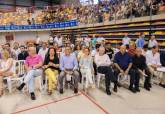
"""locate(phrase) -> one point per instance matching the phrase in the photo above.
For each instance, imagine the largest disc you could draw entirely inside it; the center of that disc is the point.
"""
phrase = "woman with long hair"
(51, 66)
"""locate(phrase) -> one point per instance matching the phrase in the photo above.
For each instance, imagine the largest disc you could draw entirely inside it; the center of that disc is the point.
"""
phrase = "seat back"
(19, 67)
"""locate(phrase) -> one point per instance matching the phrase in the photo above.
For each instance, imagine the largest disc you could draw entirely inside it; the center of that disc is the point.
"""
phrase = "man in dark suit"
(23, 54)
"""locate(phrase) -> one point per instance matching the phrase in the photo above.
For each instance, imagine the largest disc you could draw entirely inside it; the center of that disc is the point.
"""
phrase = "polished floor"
(95, 102)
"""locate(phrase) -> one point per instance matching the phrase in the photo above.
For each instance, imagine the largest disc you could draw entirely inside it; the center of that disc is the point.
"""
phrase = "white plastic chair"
(98, 78)
(84, 76)
(19, 71)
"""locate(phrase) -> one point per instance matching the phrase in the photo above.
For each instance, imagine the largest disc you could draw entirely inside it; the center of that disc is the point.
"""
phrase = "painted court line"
(95, 103)
(42, 105)
(55, 101)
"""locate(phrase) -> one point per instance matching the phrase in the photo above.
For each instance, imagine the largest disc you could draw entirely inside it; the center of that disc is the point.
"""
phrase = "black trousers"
(134, 76)
(109, 76)
(147, 82)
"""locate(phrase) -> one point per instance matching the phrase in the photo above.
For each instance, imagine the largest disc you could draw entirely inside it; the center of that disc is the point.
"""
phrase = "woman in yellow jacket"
(51, 66)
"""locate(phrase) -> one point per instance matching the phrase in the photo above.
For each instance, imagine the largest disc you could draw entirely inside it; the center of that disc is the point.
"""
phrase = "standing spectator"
(58, 39)
(108, 50)
(16, 48)
(77, 50)
(140, 41)
(126, 40)
(29, 22)
(152, 42)
(38, 40)
(43, 51)
(11, 51)
(33, 21)
(94, 40)
(23, 54)
(81, 53)
(132, 49)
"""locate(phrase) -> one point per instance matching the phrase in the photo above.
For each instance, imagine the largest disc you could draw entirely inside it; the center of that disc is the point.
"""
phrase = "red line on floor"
(99, 106)
(55, 101)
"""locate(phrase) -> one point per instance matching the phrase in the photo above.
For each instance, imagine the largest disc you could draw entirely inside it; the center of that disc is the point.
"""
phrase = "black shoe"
(61, 91)
(132, 89)
(108, 92)
(137, 89)
(118, 84)
(33, 97)
(149, 85)
(75, 90)
(21, 86)
(115, 88)
(162, 85)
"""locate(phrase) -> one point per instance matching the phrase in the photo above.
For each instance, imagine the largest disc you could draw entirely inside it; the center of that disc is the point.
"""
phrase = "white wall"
(22, 37)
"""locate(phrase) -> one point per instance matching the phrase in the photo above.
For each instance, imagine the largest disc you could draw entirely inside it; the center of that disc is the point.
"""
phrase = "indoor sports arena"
(82, 56)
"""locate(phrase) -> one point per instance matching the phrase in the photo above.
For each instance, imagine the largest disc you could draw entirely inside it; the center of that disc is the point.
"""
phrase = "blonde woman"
(6, 68)
(86, 67)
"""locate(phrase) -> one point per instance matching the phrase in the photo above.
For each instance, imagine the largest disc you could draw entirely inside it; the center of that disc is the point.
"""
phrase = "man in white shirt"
(43, 51)
(153, 60)
(87, 41)
(152, 42)
(103, 63)
(38, 40)
(126, 40)
(58, 40)
(95, 51)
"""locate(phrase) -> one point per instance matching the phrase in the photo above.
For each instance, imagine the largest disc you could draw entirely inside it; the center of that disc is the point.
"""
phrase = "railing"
(70, 23)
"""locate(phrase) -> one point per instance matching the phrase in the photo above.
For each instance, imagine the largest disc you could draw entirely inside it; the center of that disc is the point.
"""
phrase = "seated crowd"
(87, 58)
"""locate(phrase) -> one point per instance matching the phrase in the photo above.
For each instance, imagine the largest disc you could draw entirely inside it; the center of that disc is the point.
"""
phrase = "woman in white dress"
(86, 67)
(6, 68)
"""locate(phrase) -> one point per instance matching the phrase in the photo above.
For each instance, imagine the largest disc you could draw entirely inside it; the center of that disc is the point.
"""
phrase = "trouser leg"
(76, 78)
(61, 79)
(108, 73)
(137, 78)
(132, 77)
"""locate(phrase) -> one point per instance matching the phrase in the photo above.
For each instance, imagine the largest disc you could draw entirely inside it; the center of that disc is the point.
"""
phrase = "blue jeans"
(29, 78)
